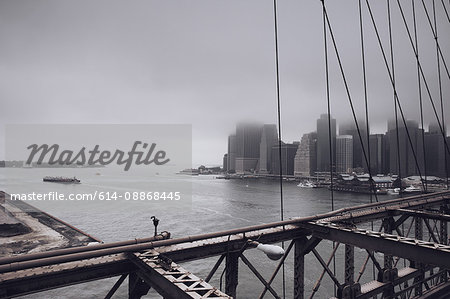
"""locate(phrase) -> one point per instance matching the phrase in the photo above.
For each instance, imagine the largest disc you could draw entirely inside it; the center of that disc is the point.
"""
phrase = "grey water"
(214, 205)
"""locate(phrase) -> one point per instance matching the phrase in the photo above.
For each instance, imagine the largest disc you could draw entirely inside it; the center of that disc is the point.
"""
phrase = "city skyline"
(404, 149)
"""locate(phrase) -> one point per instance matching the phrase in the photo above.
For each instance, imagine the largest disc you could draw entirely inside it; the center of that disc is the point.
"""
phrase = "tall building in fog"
(435, 151)
(288, 151)
(378, 154)
(306, 156)
(225, 163)
(231, 156)
(349, 128)
(248, 139)
(269, 138)
(344, 153)
(406, 166)
(323, 143)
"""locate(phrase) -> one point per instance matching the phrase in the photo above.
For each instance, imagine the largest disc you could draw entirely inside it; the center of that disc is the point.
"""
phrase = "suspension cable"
(435, 37)
(445, 9)
(327, 79)
(423, 75)
(344, 79)
(440, 84)
(366, 105)
(394, 88)
(399, 168)
(275, 12)
(419, 83)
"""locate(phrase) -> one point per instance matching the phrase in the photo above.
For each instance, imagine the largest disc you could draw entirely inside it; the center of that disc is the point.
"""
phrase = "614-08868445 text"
(100, 195)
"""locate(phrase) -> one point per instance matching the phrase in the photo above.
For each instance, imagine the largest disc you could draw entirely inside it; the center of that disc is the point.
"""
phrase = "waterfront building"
(288, 151)
(231, 156)
(344, 153)
(305, 161)
(269, 138)
(349, 128)
(323, 143)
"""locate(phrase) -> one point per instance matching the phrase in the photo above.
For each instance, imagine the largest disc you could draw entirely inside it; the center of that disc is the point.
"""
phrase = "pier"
(413, 230)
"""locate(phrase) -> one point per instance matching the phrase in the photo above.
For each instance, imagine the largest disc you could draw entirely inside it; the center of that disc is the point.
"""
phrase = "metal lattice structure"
(412, 240)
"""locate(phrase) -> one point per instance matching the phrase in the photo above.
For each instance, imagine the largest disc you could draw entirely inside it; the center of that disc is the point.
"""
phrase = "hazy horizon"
(206, 63)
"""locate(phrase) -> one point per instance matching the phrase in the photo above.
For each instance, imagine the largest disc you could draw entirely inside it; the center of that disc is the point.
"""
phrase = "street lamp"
(273, 252)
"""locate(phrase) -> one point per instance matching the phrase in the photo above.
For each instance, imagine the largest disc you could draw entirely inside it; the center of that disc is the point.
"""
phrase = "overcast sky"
(207, 63)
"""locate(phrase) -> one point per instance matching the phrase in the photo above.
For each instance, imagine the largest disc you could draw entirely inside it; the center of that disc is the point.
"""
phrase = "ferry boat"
(394, 191)
(412, 189)
(307, 185)
(59, 179)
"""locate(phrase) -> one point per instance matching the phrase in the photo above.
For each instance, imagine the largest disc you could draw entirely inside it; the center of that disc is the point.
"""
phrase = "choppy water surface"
(216, 205)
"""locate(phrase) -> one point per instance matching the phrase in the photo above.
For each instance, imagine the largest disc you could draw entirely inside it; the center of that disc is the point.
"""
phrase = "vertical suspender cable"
(420, 93)
(395, 102)
(327, 79)
(396, 98)
(435, 36)
(277, 69)
(440, 85)
(366, 106)
(422, 73)
(350, 101)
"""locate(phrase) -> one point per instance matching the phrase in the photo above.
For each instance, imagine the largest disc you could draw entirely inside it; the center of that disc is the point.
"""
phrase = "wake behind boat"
(59, 179)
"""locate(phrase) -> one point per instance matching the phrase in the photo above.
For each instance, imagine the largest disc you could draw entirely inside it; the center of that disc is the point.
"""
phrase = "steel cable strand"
(329, 121)
(440, 85)
(277, 69)
(348, 95)
(394, 88)
(420, 93)
(423, 76)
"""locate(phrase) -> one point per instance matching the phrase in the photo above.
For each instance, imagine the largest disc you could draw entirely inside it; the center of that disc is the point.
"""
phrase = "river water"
(216, 205)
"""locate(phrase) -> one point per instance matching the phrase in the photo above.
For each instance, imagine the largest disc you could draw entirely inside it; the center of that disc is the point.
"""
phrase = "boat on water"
(394, 191)
(59, 179)
(307, 185)
(412, 189)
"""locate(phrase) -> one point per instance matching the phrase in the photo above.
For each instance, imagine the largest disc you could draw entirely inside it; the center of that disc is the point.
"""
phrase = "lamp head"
(273, 252)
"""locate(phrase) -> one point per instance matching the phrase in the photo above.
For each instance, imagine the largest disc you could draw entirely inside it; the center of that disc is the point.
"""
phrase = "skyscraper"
(248, 141)
(269, 138)
(231, 157)
(350, 128)
(378, 154)
(323, 143)
(288, 151)
(225, 163)
(406, 166)
(435, 151)
(305, 161)
(344, 153)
